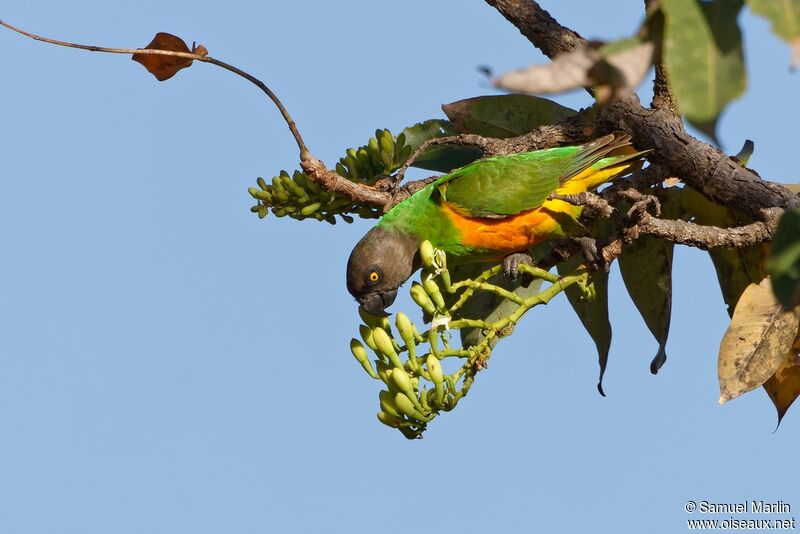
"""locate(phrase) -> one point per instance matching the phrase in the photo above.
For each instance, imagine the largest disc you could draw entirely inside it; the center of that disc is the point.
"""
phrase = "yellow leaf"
(760, 335)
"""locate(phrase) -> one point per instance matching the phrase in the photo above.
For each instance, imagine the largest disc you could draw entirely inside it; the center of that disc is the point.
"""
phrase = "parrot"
(491, 209)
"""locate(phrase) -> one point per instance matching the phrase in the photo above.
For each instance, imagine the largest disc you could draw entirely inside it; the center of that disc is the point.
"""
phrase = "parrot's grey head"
(379, 264)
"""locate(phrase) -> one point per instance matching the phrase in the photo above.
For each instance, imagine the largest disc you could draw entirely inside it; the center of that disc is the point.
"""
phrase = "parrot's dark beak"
(375, 303)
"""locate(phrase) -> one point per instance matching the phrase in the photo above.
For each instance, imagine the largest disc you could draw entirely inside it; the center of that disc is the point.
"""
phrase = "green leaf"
(593, 313)
(743, 156)
(422, 131)
(785, 18)
(442, 158)
(703, 57)
(504, 115)
(736, 268)
(783, 14)
(646, 267)
(784, 263)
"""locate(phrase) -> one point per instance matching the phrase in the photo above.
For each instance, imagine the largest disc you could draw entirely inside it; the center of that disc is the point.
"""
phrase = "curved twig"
(304, 152)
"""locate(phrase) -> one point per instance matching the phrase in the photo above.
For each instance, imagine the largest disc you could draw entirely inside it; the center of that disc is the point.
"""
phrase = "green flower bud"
(407, 332)
(408, 409)
(385, 346)
(437, 377)
(434, 292)
(360, 354)
(426, 253)
(391, 420)
(387, 403)
(366, 335)
(422, 299)
(310, 209)
(373, 321)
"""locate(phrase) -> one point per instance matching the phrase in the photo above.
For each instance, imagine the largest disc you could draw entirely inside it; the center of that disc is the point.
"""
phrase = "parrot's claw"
(512, 262)
(591, 253)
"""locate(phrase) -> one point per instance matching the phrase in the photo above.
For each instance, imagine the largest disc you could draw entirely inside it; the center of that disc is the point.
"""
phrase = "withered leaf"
(165, 67)
(615, 65)
(758, 339)
(784, 386)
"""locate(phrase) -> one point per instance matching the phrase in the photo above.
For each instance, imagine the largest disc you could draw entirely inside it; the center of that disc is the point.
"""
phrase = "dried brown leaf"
(760, 335)
(784, 386)
(567, 71)
(583, 67)
(165, 67)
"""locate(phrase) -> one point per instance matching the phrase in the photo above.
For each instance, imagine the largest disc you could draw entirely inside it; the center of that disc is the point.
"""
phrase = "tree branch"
(638, 222)
(700, 165)
(332, 182)
(703, 237)
(538, 26)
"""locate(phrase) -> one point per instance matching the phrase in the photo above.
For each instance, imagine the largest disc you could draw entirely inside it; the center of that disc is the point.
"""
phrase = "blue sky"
(169, 363)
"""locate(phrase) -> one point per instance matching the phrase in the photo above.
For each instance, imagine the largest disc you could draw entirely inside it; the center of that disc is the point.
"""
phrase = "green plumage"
(496, 188)
(507, 185)
(484, 210)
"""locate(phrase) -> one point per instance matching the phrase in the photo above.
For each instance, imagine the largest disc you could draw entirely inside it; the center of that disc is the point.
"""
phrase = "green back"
(506, 185)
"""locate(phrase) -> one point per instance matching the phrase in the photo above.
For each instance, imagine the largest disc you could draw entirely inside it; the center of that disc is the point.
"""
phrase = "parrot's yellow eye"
(374, 276)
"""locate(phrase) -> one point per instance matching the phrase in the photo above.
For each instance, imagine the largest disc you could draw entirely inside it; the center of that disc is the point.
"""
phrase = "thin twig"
(304, 152)
(662, 95)
(483, 143)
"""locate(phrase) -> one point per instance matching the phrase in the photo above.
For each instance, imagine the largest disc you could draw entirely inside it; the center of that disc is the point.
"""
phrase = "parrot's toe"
(512, 262)
(591, 253)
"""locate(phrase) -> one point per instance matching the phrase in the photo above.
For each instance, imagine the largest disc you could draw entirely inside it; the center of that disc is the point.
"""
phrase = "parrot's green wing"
(506, 185)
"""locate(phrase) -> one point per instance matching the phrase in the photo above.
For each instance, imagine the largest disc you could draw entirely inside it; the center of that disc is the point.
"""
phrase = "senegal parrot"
(487, 210)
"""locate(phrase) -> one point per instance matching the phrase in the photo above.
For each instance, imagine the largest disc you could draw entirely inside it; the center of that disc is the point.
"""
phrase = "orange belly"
(511, 234)
(520, 232)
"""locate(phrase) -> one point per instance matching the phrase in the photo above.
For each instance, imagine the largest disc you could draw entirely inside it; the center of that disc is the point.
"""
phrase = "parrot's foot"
(591, 253)
(512, 262)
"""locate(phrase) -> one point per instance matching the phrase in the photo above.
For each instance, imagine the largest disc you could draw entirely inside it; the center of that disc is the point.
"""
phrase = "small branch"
(464, 139)
(706, 237)
(538, 26)
(304, 153)
(332, 182)
(639, 180)
(590, 200)
(662, 95)
(407, 190)
(639, 222)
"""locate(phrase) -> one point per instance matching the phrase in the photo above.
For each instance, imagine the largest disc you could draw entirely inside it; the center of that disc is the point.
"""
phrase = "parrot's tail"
(622, 158)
